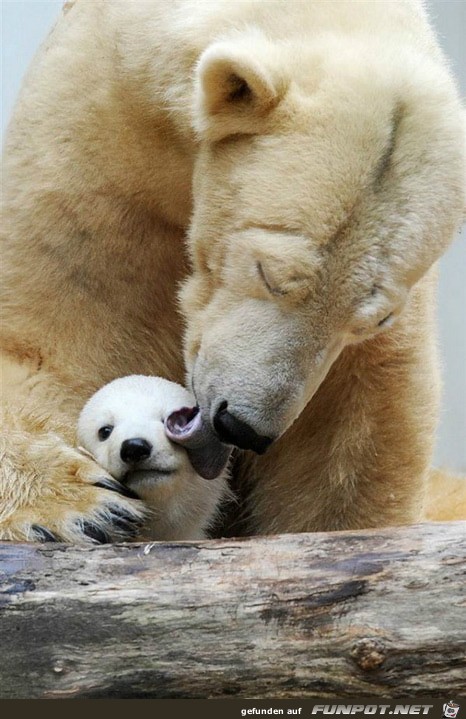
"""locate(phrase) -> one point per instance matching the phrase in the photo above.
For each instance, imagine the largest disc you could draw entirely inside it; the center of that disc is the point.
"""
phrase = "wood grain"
(380, 613)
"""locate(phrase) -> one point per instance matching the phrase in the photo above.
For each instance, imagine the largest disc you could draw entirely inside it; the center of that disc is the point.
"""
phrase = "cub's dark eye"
(105, 432)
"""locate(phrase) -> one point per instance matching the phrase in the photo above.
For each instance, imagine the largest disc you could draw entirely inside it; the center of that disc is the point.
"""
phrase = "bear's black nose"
(232, 430)
(135, 450)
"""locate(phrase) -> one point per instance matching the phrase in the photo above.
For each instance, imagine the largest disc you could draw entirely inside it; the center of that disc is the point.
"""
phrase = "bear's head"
(329, 179)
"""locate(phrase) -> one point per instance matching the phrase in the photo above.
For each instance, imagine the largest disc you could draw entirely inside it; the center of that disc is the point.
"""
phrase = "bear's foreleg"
(51, 492)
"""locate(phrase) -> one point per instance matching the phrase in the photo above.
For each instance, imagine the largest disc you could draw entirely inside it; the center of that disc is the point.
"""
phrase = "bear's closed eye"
(385, 320)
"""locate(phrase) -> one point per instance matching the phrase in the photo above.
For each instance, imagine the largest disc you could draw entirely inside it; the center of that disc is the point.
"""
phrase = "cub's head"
(123, 427)
(329, 179)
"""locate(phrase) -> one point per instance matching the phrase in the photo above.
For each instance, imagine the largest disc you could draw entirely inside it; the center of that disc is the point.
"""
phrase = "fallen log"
(379, 612)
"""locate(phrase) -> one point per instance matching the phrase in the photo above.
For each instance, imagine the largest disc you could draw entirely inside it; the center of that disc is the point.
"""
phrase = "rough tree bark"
(380, 613)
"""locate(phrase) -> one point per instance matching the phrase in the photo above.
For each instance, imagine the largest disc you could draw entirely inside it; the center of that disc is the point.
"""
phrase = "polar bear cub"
(123, 426)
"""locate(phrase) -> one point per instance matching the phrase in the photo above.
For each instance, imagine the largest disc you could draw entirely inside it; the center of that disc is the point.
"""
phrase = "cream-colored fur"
(182, 504)
(445, 497)
(313, 152)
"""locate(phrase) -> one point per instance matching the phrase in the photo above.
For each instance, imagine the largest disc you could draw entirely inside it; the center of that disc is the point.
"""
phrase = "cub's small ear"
(237, 86)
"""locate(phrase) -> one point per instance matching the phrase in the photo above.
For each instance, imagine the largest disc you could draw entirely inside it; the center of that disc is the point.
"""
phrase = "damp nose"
(135, 450)
(232, 430)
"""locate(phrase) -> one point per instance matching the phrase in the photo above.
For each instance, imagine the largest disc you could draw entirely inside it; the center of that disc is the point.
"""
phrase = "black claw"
(123, 515)
(113, 486)
(42, 534)
(94, 532)
(128, 524)
(127, 529)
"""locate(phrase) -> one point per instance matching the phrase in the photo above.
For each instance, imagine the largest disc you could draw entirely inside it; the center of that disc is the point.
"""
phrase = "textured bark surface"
(380, 613)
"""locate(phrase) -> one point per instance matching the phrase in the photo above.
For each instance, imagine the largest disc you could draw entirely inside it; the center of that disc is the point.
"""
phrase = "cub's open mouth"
(208, 456)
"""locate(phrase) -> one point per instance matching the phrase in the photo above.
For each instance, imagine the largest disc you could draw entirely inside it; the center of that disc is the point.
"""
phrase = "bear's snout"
(232, 430)
(135, 450)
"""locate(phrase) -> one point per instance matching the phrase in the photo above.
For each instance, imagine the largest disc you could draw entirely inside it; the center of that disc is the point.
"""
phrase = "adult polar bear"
(325, 142)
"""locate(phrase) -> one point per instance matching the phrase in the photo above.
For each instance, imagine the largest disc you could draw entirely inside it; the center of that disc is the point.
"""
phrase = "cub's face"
(122, 426)
(309, 232)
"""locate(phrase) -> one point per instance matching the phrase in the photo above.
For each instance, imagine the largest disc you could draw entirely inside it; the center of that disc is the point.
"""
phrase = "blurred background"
(25, 24)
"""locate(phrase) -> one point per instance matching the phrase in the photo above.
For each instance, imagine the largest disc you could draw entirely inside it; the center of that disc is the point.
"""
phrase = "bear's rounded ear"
(236, 87)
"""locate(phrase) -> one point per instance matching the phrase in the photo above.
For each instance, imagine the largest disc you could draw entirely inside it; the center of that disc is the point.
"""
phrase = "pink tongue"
(206, 453)
(183, 424)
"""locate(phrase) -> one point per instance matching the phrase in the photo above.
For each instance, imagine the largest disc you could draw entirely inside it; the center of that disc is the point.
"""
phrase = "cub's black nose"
(232, 430)
(135, 450)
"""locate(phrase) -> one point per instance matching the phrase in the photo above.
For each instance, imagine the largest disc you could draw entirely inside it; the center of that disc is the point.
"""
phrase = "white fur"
(182, 504)
(312, 155)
